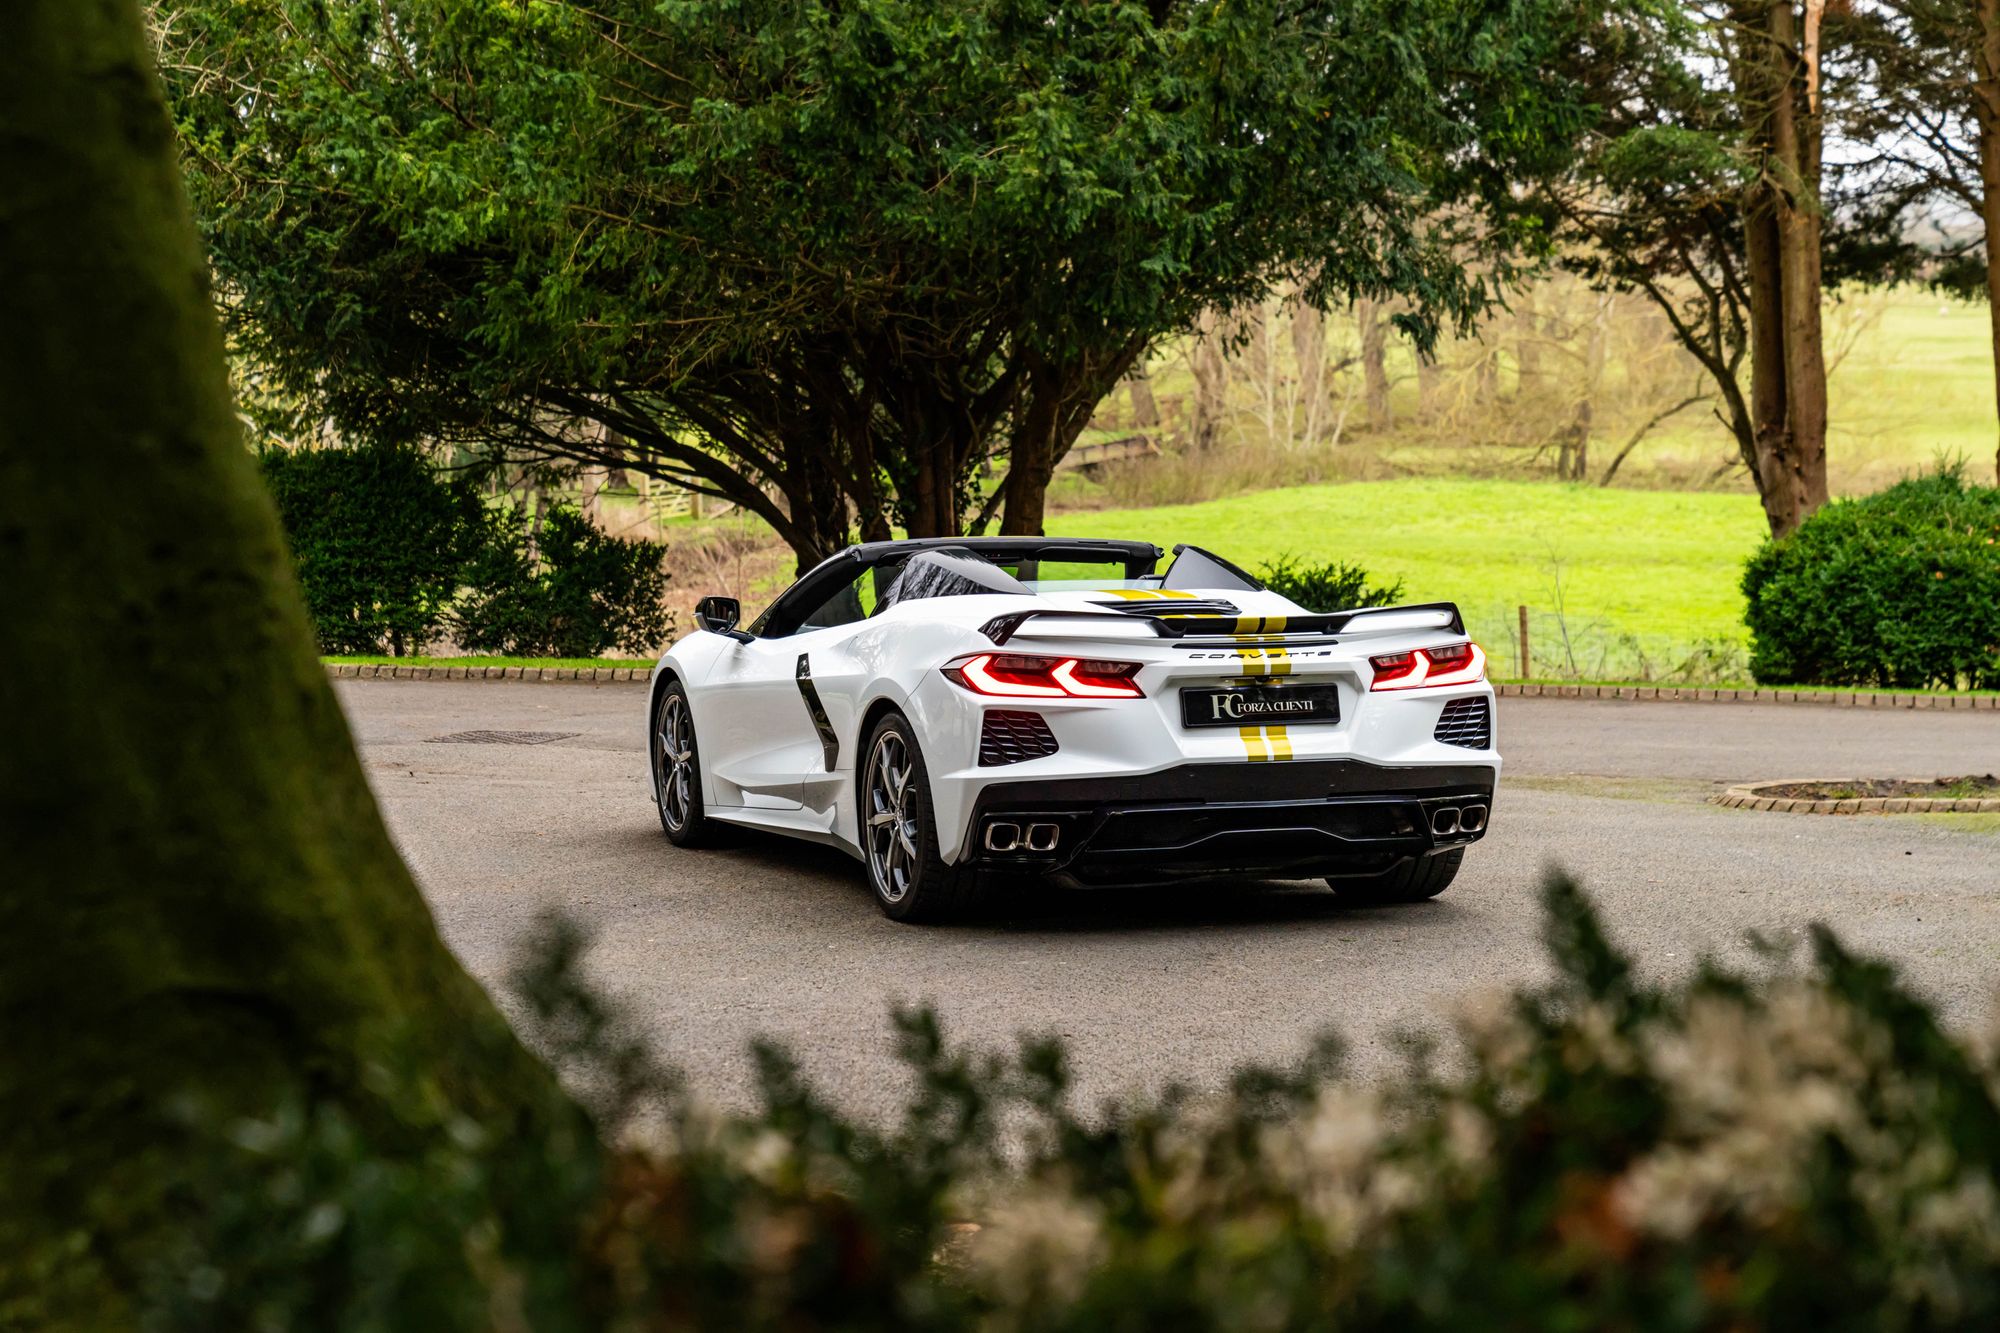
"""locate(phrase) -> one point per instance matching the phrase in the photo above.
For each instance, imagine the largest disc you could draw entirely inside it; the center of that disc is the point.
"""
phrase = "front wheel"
(1411, 882)
(899, 832)
(677, 771)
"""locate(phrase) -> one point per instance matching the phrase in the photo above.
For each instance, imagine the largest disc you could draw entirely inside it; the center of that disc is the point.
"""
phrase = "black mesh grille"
(1466, 722)
(1009, 737)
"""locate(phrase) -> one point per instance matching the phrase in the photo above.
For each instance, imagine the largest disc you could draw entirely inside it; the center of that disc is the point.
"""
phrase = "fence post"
(1527, 660)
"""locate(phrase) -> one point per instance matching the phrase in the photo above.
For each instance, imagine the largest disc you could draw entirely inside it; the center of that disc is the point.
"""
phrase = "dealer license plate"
(1259, 705)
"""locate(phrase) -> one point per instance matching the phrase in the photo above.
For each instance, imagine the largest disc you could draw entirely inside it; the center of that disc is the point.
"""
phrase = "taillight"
(1453, 664)
(1012, 676)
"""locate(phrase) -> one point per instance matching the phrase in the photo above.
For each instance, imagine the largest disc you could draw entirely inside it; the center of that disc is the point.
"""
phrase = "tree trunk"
(1031, 455)
(1374, 363)
(1527, 344)
(1574, 464)
(1145, 409)
(1309, 356)
(1787, 411)
(1795, 141)
(1986, 114)
(1211, 384)
(202, 907)
(1488, 374)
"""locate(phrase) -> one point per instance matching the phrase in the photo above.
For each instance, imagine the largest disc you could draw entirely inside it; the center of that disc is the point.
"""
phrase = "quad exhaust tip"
(1005, 836)
(1448, 820)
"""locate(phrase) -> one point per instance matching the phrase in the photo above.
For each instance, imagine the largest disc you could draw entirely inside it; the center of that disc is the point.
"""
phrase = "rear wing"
(1282, 629)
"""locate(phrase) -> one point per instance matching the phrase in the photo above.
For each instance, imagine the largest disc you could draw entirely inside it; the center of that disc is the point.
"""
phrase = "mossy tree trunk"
(201, 905)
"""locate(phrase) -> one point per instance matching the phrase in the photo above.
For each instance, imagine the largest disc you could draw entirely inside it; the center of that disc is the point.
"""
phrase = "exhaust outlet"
(1041, 838)
(1002, 837)
(1472, 819)
(1444, 821)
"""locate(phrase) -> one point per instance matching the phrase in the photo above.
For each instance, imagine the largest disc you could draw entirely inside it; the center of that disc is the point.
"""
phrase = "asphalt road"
(782, 939)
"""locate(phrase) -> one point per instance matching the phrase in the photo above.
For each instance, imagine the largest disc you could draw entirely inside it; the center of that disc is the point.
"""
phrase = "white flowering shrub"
(1802, 1148)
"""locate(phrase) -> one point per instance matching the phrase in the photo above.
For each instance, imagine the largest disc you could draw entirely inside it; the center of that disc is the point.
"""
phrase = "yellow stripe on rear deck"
(1265, 661)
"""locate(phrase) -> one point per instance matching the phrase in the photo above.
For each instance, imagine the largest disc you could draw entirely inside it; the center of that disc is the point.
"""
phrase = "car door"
(769, 726)
(756, 736)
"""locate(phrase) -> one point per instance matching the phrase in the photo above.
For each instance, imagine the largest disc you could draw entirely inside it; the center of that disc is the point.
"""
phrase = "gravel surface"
(779, 938)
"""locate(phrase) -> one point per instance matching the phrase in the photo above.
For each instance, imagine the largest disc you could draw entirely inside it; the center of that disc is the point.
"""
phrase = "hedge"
(1799, 1145)
(1900, 589)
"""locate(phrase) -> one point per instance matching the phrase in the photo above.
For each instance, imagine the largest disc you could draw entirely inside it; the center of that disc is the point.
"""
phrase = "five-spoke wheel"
(892, 830)
(899, 832)
(677, 769)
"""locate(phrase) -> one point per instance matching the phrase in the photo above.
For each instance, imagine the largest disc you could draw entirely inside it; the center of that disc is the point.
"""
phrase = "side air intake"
(1466, 722)
(1011, 737)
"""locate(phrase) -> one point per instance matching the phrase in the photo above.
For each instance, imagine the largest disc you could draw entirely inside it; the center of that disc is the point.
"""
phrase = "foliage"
(571, 591)
(1794, 1147)
(1677, 188)
(391, 553)
(1899, 589)
(823, 259)
(1324, 588)
(379, 540)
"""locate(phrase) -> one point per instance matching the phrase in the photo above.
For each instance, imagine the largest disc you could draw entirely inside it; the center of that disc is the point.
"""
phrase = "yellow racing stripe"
(1265, 744)
(1264, 661)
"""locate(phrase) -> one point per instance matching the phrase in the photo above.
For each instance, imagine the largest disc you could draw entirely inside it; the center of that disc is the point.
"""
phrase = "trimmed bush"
(1326, 588)
(1899, 589)
(572, 592)
(1801, 1146)
(380, 541)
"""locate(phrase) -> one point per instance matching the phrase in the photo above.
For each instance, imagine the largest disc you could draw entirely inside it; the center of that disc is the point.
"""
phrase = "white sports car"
(959, 712)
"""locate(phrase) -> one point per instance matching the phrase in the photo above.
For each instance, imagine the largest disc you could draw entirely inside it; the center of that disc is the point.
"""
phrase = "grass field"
(1648, 579)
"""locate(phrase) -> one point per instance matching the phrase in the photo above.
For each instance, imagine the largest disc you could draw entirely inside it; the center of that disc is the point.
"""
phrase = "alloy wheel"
(892, 822)
(676, 747)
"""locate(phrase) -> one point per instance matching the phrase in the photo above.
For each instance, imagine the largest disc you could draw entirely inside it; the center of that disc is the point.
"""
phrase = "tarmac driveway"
(782, 939)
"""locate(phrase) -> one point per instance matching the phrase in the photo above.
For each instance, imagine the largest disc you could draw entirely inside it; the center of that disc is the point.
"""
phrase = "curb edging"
(1630, 693)
(576, 675)
(1750, 796)
(1695, 694)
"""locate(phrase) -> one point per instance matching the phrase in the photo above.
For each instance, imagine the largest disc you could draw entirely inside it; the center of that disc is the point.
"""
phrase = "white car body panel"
(764, 761)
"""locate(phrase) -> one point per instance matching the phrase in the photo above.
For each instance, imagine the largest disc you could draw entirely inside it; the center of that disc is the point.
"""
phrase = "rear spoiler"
(1439, 615)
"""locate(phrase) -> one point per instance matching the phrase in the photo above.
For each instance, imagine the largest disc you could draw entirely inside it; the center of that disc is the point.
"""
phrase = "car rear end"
(1155, 741)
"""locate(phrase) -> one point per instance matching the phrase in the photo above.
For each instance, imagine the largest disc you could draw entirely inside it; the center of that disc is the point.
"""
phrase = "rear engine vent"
(1009, 737)
(1172, 606)
(1466, 722)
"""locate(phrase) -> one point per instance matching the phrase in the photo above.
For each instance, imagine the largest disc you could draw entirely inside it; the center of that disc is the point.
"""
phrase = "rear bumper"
(1297, 820)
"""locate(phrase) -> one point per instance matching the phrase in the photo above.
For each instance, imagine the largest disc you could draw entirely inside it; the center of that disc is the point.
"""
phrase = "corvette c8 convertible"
(961, 713)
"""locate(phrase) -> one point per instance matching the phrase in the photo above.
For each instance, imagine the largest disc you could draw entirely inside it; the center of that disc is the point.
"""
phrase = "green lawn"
(1648, 577)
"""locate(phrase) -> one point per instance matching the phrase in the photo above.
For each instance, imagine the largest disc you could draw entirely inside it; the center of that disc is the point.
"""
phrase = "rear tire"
(899, 841)
(1411, 882)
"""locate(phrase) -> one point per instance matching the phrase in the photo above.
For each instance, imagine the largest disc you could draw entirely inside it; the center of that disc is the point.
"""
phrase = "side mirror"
(718, 615)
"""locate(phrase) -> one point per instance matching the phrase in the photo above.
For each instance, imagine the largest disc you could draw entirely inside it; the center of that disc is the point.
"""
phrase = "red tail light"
(1012, 676)
(1453, 664)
